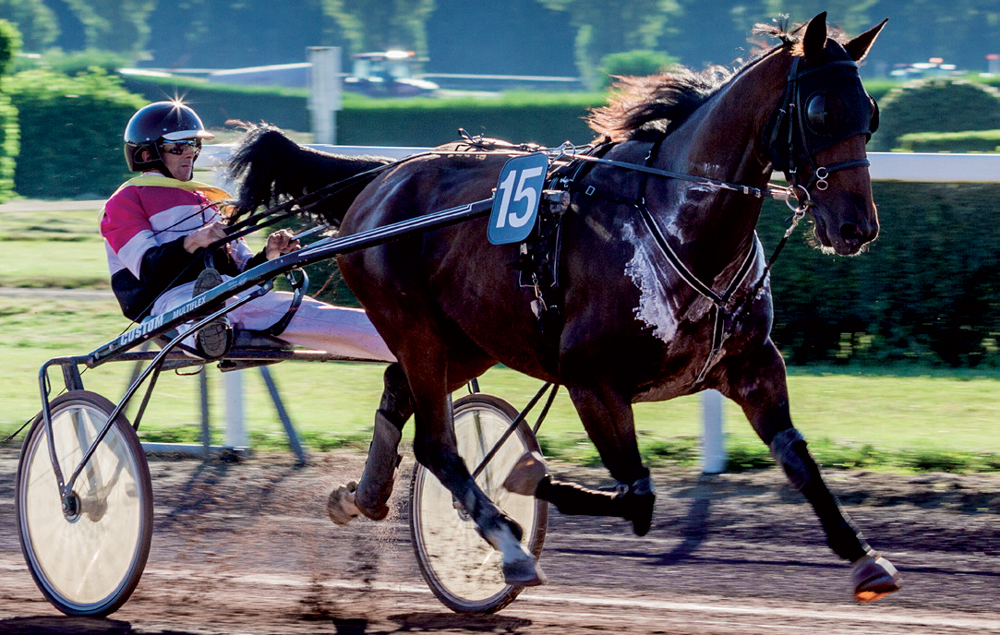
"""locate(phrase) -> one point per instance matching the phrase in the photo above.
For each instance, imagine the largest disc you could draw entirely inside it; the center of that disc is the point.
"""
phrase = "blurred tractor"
(387, 74)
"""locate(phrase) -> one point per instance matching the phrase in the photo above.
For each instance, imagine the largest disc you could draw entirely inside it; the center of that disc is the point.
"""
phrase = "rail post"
(236, 435)
(324, 92)
(713, 448)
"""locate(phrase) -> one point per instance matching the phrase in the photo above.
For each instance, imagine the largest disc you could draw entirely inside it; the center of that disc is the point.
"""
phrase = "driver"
(156, 229)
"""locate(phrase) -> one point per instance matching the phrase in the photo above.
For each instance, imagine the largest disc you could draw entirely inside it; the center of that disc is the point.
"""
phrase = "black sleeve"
(258, 259)
(163, 267)
(169, 265)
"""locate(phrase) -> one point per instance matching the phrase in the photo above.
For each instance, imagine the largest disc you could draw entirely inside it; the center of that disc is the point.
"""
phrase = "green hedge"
(927, 289)
(71, 129)
(215, 103)
(530, 117)
(9, 147)
(936, 105)
(967, 141)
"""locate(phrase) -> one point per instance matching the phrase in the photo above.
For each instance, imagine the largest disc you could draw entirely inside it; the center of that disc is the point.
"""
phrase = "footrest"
(244, 339)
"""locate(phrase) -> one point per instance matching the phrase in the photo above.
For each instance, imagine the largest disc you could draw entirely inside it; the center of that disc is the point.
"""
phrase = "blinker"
(824, 113)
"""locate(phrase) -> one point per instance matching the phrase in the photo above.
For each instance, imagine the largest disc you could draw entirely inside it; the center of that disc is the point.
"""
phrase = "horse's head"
(817, 136)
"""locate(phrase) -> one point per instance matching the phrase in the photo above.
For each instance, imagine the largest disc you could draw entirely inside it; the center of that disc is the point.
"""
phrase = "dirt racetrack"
(247, 548)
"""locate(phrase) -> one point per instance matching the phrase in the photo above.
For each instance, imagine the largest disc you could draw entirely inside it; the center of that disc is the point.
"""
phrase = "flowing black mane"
(644, 108)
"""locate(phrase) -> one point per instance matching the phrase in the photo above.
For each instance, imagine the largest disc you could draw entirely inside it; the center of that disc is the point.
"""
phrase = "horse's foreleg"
(757, 382)
(607, 417)
(371, 493)
(633, 502)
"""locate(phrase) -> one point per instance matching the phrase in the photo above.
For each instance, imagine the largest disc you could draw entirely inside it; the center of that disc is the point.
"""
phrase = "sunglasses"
(179, 147)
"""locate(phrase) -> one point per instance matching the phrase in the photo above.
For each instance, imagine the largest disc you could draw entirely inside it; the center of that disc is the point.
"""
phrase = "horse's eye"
(873, 126)
(824, 113)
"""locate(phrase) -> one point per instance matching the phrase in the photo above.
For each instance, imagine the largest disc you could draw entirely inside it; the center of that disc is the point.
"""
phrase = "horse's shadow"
(63, 625)
(459, 621)
(695, 529)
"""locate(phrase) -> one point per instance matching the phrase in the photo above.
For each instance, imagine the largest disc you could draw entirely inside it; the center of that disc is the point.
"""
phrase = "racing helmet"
(159, 122)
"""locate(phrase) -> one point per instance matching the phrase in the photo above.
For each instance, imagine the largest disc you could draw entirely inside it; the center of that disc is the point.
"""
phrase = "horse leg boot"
(370, 495)
(633, 502)
(873, 576)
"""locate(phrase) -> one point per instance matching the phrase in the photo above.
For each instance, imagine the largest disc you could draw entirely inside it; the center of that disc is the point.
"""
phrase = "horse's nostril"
(851, 233)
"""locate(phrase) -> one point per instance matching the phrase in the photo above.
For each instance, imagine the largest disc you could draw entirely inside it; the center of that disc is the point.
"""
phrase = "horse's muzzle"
(845, 237)
(855, 236)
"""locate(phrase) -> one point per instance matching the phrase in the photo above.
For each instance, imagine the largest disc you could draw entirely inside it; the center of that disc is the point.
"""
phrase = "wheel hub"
(71, 507)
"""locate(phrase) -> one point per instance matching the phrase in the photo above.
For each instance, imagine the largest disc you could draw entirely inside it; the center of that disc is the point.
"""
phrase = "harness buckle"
(590, 190)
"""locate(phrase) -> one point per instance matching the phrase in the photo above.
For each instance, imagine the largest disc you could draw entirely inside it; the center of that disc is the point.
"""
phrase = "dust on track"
(247, 548)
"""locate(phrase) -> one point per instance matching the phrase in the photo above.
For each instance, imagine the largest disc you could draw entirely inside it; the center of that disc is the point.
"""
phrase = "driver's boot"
(379, 476)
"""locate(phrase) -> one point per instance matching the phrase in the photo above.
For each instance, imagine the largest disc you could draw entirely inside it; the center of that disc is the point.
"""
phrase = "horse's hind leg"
(436, 448)
(757, 382)
(370, 495)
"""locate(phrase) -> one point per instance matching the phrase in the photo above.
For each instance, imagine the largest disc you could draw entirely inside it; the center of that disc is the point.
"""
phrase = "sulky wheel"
(460, 567)
(86, 559)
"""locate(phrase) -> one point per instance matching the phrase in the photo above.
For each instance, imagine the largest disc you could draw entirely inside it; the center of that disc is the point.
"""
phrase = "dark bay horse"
(663, 289)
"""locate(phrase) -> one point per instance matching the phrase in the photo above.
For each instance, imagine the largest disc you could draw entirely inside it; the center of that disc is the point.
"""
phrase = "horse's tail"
(270, 169)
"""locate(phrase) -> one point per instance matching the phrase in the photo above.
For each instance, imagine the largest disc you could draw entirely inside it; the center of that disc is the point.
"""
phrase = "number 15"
(522, 192)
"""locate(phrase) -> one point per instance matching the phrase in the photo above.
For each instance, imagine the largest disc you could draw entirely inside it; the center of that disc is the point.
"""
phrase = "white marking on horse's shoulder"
(655, 309)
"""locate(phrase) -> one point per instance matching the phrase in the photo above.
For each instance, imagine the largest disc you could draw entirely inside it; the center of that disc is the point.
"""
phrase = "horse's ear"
(814, 41)
(858, 47)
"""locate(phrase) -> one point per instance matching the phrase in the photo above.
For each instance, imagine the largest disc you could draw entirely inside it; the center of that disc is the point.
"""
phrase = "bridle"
(802, 125)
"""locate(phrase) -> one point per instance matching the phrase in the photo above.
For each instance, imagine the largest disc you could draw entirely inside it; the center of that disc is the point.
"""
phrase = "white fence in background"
(885, 166)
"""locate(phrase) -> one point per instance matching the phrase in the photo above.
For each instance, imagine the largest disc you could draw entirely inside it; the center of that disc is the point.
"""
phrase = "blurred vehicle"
(387, 74)
(934, 67)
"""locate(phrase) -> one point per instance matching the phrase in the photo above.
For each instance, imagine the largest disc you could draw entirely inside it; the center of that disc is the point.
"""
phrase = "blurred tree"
(378, 25)
(607, 26)
(238, 33)
(10, 44)
(517, 37)
(116, 25)
(708, 32)
(36, 22)
(962, 32)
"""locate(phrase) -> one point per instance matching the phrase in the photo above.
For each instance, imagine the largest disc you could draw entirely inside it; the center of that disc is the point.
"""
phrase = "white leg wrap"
(519, 566)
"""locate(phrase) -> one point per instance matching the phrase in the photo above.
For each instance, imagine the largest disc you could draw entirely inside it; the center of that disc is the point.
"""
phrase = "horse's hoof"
(641, 498)
(523, 572)
(340, 505)
(526, 474)
(874, 577)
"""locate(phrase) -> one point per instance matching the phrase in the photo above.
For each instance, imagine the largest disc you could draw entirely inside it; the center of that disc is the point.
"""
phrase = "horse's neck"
(721, 141)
